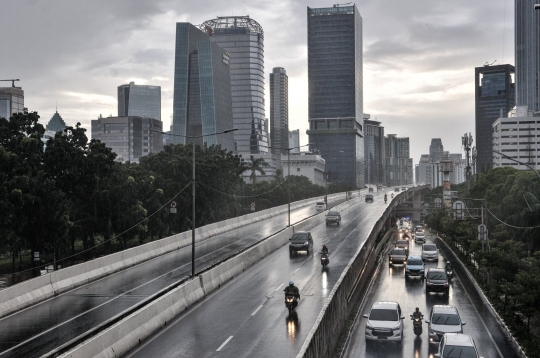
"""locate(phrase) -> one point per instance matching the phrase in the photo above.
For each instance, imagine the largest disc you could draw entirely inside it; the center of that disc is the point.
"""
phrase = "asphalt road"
(390, 285)
(41, 328)
(247, 317)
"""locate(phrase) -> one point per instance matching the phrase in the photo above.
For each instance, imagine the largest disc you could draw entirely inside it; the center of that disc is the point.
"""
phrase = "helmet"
(418, 309)
(447, 262)
(324, 245)
(291, 283)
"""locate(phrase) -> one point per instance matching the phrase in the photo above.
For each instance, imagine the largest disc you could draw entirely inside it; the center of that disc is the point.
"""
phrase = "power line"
(512, 226)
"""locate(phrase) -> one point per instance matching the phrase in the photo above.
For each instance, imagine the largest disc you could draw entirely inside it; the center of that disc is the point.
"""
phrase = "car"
(437, 281)
(385, 322)
(457, 345)
(414, 267)
(301, 241)
(396, 189)
(402, 244)
(369, 198)
(321, 206)
(333, 217)
(443, 319)
(430, 252)
(420, 237)
(419, 228)
(397, 256)
(403, 188)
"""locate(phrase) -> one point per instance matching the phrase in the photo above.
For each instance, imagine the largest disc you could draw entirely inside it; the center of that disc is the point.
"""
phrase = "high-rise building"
(243, 39)
(279, 110)
(436, 150)
(527, 53)
(56, 124)
(129, 137)
(202, 103)
(335, 91)
(494, 98)
(139, 100)
(374, 152)
(11, 101)
(294, 140)
(398, 165)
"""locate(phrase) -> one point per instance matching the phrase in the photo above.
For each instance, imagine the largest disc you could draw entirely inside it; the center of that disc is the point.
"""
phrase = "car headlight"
(369, 327)
(396, 328)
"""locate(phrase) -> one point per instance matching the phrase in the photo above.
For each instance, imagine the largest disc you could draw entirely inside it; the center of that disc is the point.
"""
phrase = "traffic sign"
(252, 206)
(36, 255)
(482, 232)
(459, 208)
(173, 204)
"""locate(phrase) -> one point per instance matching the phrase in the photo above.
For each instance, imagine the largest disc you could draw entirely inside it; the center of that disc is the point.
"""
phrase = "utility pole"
(466, 142)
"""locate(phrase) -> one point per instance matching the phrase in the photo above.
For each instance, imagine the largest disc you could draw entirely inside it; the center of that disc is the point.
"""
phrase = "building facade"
(336, 91)
(139, 101)
(279, 110)
(494, 98)
(243, 39)
(11, 101)
(294, 140)
(527, 54)
(374, 152)
(398, 164)
(202, 103)
(129, 137)
(305, 164)
(515, 136)
(56, 124)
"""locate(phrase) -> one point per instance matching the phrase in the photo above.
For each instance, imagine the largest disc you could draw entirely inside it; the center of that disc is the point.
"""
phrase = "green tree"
(256, 165)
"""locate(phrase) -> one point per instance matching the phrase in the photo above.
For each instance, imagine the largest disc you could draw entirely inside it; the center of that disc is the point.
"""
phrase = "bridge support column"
(417, 206)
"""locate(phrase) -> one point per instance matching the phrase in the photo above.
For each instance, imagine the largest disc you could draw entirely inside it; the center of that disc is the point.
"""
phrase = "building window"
(297, 169)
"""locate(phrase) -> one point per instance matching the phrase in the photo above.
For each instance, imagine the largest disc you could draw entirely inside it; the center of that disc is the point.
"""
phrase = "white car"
(420, 237)
(430, 252)
(385, 322)
(443, 319)
(457, 345)
(321, 206)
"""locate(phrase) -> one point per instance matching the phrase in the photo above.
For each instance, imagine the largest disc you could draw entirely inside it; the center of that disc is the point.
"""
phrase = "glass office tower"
(336, 92)
(11, 101)
(279, 110)
(243, 39)
(374, 152)
(494, 98)
(139, 100)
(527, 52)
(202, 103)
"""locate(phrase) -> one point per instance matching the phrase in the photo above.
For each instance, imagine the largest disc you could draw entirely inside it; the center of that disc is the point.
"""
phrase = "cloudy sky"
(419, 56)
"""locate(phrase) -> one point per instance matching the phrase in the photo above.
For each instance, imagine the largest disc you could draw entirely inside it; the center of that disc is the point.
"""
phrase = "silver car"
(443, 319)
(420, 237)
(430, 252)
(457, 345)
(385, 322)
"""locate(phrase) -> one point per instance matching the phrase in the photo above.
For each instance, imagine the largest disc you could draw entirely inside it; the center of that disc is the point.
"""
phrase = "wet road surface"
(45, 326)
(247, 317)
(390, 285)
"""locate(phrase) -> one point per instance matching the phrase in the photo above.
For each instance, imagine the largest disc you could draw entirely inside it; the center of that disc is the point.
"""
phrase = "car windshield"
(430, 248)
(445, 318)
(397, 252)
(320, 203)
(419, 234)
(459, 352)
(436, 275)
(383, 315)
(402, 242)
(333, 213)
(369, 196)
(415, 262)
(299, 238)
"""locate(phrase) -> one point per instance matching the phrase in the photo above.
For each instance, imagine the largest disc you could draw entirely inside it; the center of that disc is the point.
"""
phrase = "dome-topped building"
(56, 123)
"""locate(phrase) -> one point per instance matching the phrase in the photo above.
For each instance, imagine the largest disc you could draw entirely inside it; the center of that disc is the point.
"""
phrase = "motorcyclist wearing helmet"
(292, 290)
(385, 197)
(417, 314)
(324, 250)
(448, 266)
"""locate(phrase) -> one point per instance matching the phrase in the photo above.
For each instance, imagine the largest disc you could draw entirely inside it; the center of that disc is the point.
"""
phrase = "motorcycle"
(324, 260)
(291, 302)
(417, 324)
(385, 199)
(450, 273)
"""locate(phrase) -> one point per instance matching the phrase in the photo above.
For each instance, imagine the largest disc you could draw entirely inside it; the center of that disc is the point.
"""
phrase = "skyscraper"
(294, 140)
(436, 150)
(202, 89)
(335, 91)
(56, 124)
(279, 110)
(527, 61)
(398, 165)
(139, 100)
(11, 101)
(494, 98)
(243, 39)
(374, 152)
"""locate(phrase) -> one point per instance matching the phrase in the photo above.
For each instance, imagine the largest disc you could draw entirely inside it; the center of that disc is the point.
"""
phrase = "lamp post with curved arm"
(517, 161)
(193, 189)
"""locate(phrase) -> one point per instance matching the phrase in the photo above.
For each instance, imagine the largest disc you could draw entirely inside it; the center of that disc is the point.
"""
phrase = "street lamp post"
(517, 161)
(193, 190)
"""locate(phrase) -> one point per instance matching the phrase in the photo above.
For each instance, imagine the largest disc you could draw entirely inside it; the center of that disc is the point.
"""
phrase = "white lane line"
(257, 310)
(280, 286)
(224, 343)
(296, 270)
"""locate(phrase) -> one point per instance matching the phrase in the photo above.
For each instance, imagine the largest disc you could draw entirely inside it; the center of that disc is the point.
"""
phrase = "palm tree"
(256, 165)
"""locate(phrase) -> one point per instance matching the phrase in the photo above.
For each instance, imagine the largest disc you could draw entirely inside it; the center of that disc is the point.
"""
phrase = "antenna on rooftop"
(12, 82)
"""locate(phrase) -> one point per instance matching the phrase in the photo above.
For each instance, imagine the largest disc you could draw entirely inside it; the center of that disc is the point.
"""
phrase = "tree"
(256, 165)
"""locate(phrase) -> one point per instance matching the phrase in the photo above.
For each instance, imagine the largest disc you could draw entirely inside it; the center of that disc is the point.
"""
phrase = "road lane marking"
(296, 270)
(280, 286)
(224, 343)
(257, 310)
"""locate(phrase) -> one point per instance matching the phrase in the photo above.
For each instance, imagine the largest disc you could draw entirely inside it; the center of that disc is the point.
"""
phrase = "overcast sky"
(419, 56)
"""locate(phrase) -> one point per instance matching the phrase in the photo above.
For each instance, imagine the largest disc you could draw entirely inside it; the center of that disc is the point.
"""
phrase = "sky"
(418, 56)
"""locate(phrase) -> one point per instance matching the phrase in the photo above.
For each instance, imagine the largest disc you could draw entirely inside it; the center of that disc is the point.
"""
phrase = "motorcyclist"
(448, 266)
(292, 290)
(417, 314)
(392, 196)
(385, 198)
(324, 250)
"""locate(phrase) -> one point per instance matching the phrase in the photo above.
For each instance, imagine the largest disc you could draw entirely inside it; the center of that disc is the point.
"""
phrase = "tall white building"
(305, 164)
(516, 136)
(294, 140)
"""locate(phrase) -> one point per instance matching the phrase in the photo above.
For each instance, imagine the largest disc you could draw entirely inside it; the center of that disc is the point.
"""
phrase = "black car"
(437, 281)
(333, 217)
(301, 241)
(369, 198)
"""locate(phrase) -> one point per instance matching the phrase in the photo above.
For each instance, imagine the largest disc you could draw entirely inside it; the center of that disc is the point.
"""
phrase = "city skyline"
(410, 80)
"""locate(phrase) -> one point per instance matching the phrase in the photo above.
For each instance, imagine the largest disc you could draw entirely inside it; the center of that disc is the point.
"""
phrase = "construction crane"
(338, 5)
(12, 82)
